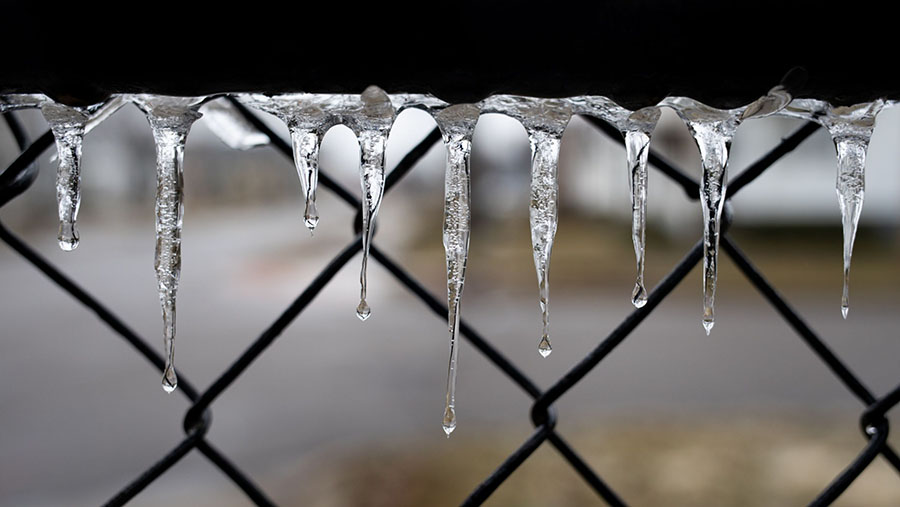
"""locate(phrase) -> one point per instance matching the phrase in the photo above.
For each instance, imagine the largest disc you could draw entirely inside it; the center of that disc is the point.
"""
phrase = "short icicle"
(308, 117)
(170, 120)
(372, 122)
(457, 123)
(69, 124)
(712, 130)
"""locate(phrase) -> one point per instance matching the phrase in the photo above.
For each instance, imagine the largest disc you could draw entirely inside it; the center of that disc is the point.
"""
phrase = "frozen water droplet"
(363, 311)
(544, 348)
(449, 421)
(68, 236)
(708, 324)
(170, 121)
(457, 123)
(169, 380)
(845, 309)
(639, 295)
(871, 430)
(712, 130)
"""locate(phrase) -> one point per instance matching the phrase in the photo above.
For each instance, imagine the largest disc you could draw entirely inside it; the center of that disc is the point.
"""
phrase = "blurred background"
(341, 412)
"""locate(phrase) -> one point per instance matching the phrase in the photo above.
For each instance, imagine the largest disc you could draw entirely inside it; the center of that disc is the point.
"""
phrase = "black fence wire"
(874, 424)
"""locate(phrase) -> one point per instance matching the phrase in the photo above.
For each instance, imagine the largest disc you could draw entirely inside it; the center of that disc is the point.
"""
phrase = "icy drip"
(305, 145)
(712, 130)
(372, 122)
(638, 128)
(544, 121)
(457, 123)
(308, 117)
(851, 129)
(67, 124)
(170, 120)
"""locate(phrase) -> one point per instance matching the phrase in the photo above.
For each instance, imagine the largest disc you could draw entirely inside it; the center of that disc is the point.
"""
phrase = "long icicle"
(545, 123)
(712, 130)
(851, 129)
(170, 120)
(372, 124)
(305, 143)
(638, 128)
(457, 124)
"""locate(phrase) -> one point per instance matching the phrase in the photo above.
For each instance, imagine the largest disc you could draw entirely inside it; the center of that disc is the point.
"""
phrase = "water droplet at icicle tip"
(639, 295)
(363, 311)
(449, 421)
(544, 347)
(169, 380)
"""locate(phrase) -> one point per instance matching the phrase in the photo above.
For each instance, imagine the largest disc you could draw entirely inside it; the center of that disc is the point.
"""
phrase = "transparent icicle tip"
(169, 380)
(544, 348)
(363, 311)
(449, 422)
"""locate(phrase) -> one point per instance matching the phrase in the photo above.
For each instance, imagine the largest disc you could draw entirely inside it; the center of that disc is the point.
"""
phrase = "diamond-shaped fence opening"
(874, 425)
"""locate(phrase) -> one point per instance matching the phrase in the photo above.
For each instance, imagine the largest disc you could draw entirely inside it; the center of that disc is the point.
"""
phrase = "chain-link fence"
(873, 422)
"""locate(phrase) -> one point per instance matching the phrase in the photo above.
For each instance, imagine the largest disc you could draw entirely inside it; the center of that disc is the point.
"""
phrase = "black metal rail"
(21, 173)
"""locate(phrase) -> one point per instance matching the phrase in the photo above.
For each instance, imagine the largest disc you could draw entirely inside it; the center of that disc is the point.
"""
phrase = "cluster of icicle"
(371, 114)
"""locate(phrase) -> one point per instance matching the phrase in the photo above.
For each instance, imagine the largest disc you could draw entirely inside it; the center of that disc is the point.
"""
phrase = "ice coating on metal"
(170, 120)
(851, 128)
(544, 120)
(712, 130)
(772, 102)
(457, 124)
(230, 126)
(636, 126)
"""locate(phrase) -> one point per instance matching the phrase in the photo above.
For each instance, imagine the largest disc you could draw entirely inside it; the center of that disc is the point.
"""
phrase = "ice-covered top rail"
(370, 115)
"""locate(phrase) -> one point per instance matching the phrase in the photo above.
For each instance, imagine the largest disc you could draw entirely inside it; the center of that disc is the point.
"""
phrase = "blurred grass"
(746, 461)
(598, 253)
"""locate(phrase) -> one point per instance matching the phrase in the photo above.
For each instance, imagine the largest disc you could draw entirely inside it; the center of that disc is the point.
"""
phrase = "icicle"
(231, 127)
(851, 128)
(712, 130)
(457, 123)
(371, 122)
(69, 124)
(636, 126)
(308, 117)
(170, 120)
(544, 121)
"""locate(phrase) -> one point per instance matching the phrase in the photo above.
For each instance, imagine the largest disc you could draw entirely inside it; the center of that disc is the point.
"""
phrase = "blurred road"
(81, 414)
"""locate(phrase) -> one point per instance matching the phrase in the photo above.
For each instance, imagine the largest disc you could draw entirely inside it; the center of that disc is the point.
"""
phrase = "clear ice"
(851, 128)
(69, 124)
(170, 120)
(372, 121)
(230, 126)
(712, 130)
(636, 126)
(457, 123)
(544, 120)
